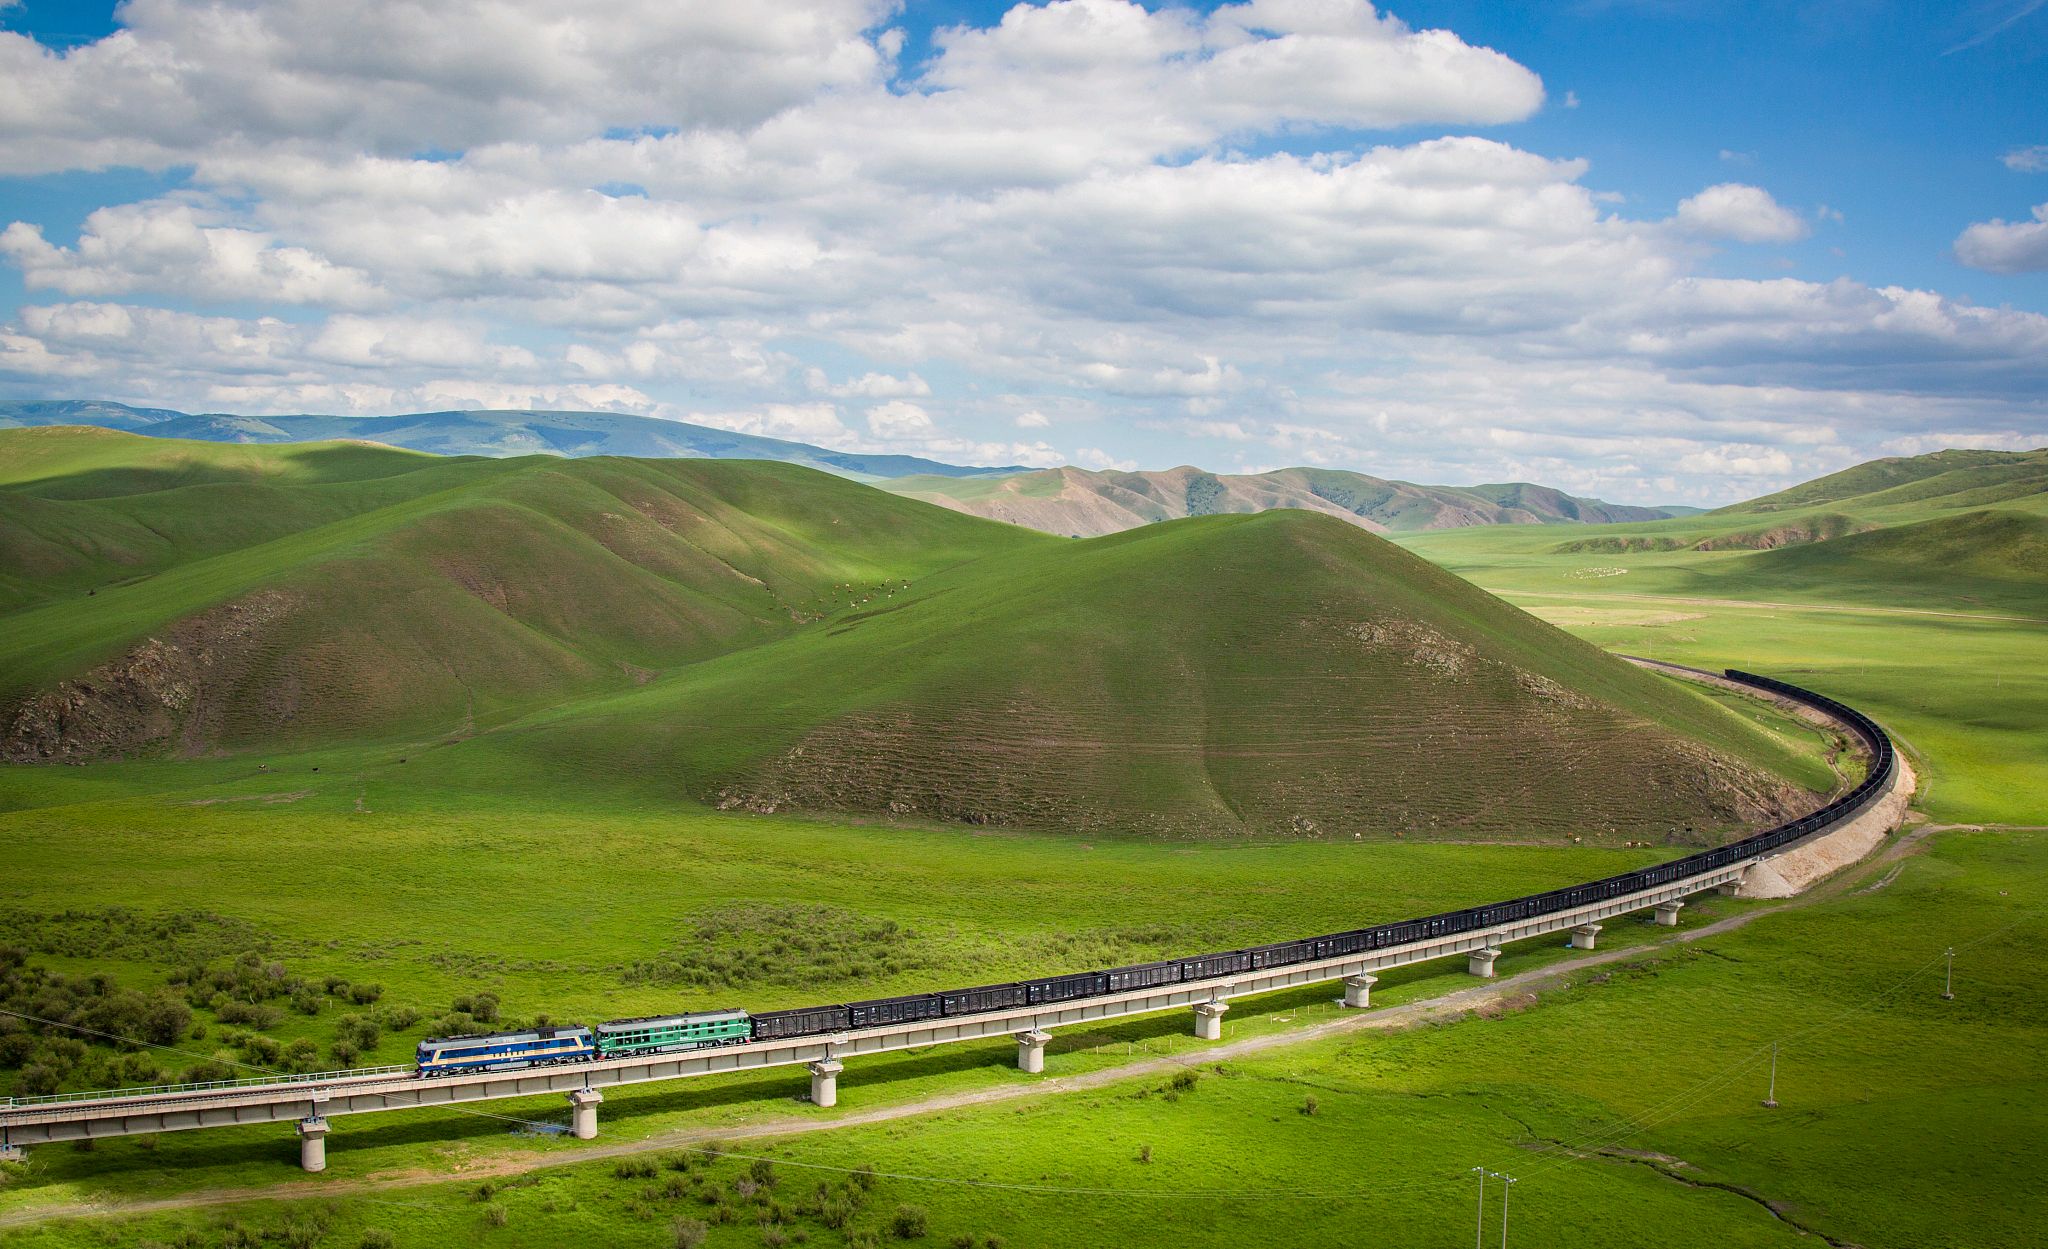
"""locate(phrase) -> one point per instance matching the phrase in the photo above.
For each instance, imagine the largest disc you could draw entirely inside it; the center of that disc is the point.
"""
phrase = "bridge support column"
(1209, 1020)
(583, 1105)
(1667, 913)
(1480, 962)
(1584, 936)
(1358, 989)
(1733, 889)
(825, 1081)
(1031, 1050)
(13, 1153)
(313, 1143)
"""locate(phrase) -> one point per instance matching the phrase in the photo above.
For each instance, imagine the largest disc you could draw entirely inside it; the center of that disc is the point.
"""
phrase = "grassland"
(1626, 1100)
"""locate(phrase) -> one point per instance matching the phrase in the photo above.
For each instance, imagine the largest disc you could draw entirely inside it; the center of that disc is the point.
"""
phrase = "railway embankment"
(1793, 871)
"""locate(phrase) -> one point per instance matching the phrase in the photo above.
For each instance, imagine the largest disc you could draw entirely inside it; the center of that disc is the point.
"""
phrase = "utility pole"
(1505, 1182)
(1948, 980)
(1771, 1098)
(1479, 1230)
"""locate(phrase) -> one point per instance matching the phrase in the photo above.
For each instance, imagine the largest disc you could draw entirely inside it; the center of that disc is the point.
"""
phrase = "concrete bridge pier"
(1031, 1050)
(313, 1143)
(1667, 913)
(825, 1081)
(1209, 1020)
(1584, 936)
(12, 1153)
(1358, 990)
(1480, 962)
(583, 1105)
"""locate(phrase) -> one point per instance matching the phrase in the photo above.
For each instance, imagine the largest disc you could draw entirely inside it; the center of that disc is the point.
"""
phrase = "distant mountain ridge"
(1069, 501)
(1086, 504)
(492, 432)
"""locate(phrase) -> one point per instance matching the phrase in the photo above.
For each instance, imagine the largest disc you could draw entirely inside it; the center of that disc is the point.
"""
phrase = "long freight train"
(670, 1033)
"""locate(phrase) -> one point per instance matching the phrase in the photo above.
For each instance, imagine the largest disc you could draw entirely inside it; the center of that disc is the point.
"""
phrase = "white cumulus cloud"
(2007, 246)
(1738, 211)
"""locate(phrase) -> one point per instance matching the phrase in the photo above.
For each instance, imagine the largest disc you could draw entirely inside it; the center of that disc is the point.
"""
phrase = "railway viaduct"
(310, 1101)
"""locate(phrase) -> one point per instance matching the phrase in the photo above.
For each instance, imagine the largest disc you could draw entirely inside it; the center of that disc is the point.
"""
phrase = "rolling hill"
(193, 596)
(483, 432)
(762, 637)
(1081, 503)
(1872, 496)
(1989, 559)
(1276, 674)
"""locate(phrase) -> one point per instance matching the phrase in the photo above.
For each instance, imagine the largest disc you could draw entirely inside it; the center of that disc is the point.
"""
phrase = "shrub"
(690, 1233)
(909, 1222)
(377, 1238)
(252, 1014)
(864, 1175)
(762, 1172)
(364, 994)
(680, 1162)
(774, 1237)
(206, 1072)
(633, 1169)
(260, 1050)
(345, 1053)
(302, 1055)
(496, 1215)
(1145, 1153)
(1309, 1104)
(483, 1007)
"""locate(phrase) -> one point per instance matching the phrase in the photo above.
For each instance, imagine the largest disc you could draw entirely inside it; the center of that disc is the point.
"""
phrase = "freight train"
(674, 1033)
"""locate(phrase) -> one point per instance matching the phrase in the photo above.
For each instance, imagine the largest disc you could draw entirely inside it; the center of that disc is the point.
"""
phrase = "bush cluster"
(746, 945)
(54, 1055)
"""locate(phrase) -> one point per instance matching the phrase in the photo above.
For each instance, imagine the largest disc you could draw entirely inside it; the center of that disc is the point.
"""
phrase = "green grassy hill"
(1947, 479)
(767, 638)
(1984, 559)
(1281, 674)
(193, 596)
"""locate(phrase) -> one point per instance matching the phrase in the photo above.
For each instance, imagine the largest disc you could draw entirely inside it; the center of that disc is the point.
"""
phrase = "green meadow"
(1624, 1098)
(548, 861)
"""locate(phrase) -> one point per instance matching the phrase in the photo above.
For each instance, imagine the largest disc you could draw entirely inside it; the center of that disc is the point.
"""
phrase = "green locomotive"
(623, 1037)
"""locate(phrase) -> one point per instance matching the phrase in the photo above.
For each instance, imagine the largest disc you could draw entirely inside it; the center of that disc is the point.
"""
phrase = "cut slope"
(1275, 674)
(183, 596)
(1081, 503)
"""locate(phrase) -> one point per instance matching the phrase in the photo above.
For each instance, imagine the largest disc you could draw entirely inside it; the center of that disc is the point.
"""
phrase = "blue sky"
(1650, 250)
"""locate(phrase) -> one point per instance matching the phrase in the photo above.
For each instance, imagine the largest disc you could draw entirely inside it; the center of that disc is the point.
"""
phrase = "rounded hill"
(1277, 674)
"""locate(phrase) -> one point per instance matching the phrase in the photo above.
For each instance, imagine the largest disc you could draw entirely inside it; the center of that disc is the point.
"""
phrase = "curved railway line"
(824, 1036)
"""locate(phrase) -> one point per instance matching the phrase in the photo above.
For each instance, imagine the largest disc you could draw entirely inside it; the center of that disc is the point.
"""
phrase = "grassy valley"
(567, 857)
